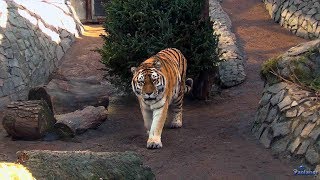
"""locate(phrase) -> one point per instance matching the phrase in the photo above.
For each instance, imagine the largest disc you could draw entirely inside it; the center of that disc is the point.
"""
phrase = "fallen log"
(65, 96)
(74, 165)
(28, 120)
(79, 121)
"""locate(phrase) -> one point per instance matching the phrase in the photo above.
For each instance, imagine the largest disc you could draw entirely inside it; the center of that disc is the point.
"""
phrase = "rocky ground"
(215, 141)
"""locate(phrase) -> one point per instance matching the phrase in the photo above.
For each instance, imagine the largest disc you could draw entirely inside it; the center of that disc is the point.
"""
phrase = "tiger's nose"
(149, 93)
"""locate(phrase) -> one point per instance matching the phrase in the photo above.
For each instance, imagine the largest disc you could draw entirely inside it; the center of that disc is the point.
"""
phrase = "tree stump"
(79, 121)
(28, 120)
(74, 165)
(65, 96)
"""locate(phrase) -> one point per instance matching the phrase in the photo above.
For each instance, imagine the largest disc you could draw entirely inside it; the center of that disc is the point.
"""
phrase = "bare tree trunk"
(28, 120)
(79, 121)
(67, 96)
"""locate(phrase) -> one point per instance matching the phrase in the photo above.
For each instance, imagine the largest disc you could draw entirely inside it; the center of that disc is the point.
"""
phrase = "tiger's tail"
(188, 86)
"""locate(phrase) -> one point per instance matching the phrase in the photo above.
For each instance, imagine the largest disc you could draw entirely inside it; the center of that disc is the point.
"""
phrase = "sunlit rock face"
(288, 117)
(231, 70)
(301, 17)
(34, 36)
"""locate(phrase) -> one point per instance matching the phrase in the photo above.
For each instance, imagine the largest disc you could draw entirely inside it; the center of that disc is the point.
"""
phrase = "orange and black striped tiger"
(158, 82)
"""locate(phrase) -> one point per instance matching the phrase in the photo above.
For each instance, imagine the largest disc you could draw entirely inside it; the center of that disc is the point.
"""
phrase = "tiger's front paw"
(154, 143)
(176, 124)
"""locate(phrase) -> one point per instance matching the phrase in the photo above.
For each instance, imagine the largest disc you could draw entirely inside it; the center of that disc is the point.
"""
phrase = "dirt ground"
(215, 141)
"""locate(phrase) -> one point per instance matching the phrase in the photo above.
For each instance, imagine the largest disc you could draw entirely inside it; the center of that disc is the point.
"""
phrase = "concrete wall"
(34, 36)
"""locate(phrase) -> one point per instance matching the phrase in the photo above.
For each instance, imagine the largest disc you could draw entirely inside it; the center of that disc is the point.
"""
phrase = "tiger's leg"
(177, 111)
(159, 118)
(147, 118)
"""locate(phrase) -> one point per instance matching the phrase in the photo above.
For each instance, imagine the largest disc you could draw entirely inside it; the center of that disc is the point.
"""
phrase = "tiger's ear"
(157, 64)
(133, 69)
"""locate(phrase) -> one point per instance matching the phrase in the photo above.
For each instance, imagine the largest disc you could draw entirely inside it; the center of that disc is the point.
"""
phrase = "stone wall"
(301, 17)
(34, 36)
(288, 117)
(231, 70)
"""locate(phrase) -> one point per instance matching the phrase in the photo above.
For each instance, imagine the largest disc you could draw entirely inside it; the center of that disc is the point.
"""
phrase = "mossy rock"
(44, 164)
(300, 64)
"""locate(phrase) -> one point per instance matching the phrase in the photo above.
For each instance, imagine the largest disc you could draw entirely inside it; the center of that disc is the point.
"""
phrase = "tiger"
(158, 82)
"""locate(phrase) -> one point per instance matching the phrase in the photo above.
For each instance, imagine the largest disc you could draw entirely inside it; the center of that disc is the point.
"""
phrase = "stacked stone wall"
(301, 17)
(231, 69)
(34, 36)
(288, 117)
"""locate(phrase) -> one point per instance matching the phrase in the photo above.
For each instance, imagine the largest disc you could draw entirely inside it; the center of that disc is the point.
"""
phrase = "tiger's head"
(148, 81)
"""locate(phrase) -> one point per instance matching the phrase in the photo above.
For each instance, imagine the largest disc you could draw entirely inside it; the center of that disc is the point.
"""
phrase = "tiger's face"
(148, 84)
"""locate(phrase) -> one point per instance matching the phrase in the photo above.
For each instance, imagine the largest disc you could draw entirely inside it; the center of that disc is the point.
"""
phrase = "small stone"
(298, 130)
(260, 131)
(280, 145)
(59, 52)
(291, 113)
(315, 133)
(272, 115)
(263, 112)
(294, 103)
(313, 118)
(265, 99)
(307, 114)
(285, 102)
(281, 129)
(293, 146)
(308, 128)
(265, 138)
(294, 125)
(277, 98)
(304, 146)
(312, 156)
(301, 110)
(277, 87)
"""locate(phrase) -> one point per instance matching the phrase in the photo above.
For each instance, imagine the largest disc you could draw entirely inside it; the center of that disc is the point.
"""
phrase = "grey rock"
(266, 138)
(307, 129)
(265, 99)
(301, 110)
(277, 87)
(298, 129)
(312, 156)
(313, 118)
(294, 125)
(285, 102)
(294, 145)
(307, 114)
(281, 129)
(272, 115)
(280, 145)
(315, 133)
(278, 97)
(263, 112)
(59, 52)
(291, 113)
(303, 148)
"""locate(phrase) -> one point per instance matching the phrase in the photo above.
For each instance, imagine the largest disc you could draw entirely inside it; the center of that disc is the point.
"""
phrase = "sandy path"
(215, 142)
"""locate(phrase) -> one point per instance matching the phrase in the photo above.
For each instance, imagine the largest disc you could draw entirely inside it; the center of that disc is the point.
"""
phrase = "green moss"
(267, 67)
(303, 70)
